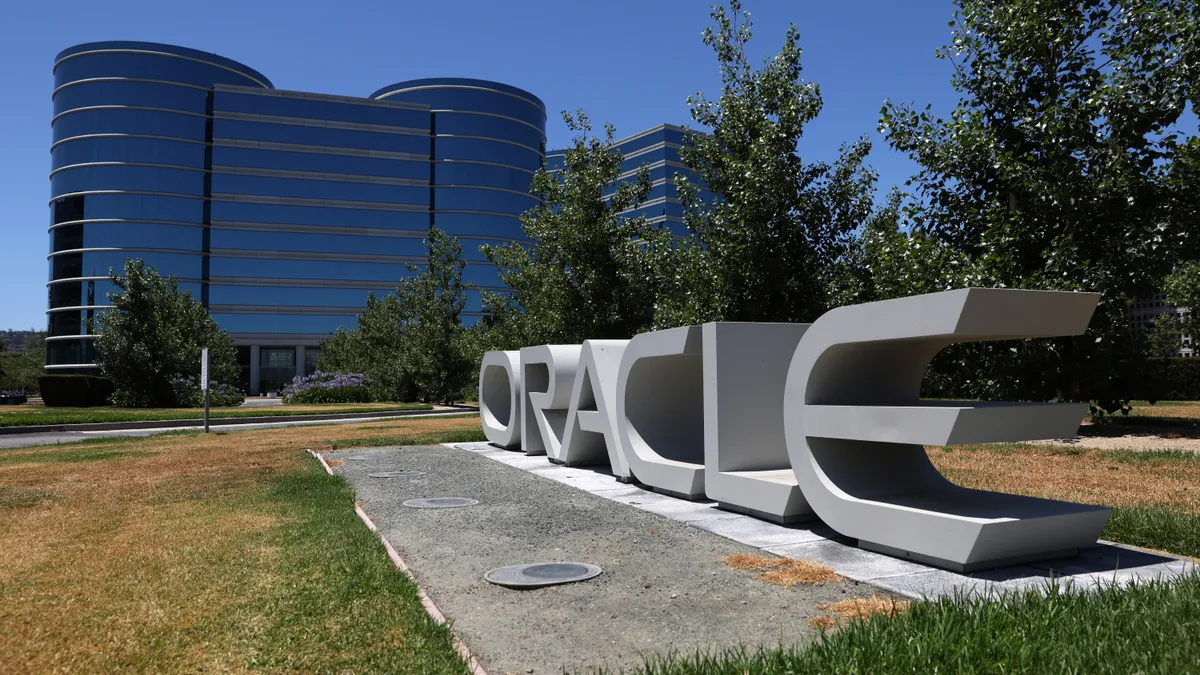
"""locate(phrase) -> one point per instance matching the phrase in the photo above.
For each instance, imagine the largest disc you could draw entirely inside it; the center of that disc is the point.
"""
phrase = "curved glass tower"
(486, 141)
(279, 210)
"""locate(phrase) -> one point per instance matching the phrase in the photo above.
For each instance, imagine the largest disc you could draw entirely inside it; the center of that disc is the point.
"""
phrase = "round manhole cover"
(402, 473)
(537, 575)
(440, 502)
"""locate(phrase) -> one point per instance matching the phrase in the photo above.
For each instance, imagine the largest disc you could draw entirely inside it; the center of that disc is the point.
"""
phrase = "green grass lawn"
(30, 415)
(1152, 628)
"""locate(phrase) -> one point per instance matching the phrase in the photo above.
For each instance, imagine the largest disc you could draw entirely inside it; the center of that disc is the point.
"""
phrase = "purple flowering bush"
(321, 387)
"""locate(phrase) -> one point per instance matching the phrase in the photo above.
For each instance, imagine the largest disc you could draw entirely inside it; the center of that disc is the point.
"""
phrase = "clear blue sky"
(629, 62)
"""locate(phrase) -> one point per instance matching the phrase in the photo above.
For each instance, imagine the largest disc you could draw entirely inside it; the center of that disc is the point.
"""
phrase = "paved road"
(9, 441)
(663, 586)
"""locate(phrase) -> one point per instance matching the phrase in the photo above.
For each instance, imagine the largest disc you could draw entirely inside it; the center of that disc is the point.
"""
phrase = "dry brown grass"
(1087, 476)
(852, 609)
(136, 562)
(786, 572)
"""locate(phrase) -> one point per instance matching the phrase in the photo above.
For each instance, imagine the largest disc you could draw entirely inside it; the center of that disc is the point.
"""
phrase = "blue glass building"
(657, 149)
(279, 210)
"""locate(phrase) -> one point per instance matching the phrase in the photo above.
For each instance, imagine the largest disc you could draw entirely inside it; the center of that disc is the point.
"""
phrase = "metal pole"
(206, 410)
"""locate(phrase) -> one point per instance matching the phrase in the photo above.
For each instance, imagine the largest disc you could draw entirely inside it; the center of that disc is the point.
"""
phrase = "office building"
(278, 210)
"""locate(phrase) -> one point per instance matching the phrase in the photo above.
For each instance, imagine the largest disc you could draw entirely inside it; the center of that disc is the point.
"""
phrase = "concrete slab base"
(1105, 563)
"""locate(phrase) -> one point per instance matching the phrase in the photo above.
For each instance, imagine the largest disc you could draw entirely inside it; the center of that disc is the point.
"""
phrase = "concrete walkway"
(663, 585)
(9, 441)
(1104, 563)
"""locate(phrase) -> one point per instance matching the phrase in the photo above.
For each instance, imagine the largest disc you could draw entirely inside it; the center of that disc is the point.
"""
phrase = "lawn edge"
(220, 421)
(426, 602)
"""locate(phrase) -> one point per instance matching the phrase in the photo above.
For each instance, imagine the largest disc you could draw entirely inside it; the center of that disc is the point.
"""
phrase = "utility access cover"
(537, 575)
(402, 473)
(440, 502)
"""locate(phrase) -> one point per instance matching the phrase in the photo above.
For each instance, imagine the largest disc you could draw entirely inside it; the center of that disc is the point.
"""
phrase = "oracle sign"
(796, 421)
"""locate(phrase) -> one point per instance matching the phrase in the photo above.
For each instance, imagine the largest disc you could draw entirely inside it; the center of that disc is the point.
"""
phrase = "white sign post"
(204, 383)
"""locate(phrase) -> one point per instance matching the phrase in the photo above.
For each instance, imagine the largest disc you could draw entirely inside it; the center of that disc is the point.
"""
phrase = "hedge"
(75, 391)
(1172, 378)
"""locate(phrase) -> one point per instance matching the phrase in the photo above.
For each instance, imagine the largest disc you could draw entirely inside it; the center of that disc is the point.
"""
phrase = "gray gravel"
(662, 589)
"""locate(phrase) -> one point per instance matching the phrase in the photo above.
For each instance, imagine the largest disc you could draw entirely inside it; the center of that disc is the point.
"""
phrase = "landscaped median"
(235, 551)
(38, 415)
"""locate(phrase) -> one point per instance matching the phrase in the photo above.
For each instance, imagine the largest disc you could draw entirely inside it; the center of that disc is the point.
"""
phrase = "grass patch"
(31, 415)
(191, 551)
(473, 435)
(1150, 628)
(1157, 528)
(65, 457)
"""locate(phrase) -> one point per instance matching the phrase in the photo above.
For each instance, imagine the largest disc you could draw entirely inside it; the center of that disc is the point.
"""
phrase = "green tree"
(1057, 170)
(434, 351)
(412, 343)
(372, 348)
(587, 271)
(767, 248)
(150, 342)
(1164, 337)
(1182, 289)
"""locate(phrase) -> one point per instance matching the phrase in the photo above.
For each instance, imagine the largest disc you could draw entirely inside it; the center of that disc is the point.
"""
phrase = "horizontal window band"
(340, 230)
(147, 80)
(459, 186)
(478, 213)
(328, 98)
(654, 165)
(481, 162)
(317, 123)
(68, 280)
(326, 203)
(149, 52)
(285, 282)
(126, 107)
(173, 139)
(651, 130)
(60, 366)
(78, 309)
(496, 115)
(152, 165)
(58, 338)
(535, 104)
(84, 193)
(318, 149)
(316, 256)
(491, 139)
(317, 175)
(143, 221)
(272, 340)
(115, 249)
(301, 310)
(647, 150)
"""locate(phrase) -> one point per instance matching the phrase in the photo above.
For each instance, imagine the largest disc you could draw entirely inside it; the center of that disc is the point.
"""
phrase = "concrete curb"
(224, 421)
(430, 608)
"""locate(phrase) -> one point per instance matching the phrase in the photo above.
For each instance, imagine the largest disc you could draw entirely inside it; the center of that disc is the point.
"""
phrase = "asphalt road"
(663, 586)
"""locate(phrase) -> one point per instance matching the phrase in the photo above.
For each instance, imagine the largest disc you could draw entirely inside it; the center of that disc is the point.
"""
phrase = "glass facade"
(657, 149)
(279, 210)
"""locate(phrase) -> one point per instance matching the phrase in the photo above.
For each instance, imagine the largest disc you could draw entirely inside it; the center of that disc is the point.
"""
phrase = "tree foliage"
(1182, 289)
(766, 249)
(411, 343)
(1057, 170)
(586, 272)
(150, 342)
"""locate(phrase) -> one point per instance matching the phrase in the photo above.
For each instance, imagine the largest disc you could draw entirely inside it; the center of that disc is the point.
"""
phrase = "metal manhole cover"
(402, 473)
(440, 502)
(537, 575)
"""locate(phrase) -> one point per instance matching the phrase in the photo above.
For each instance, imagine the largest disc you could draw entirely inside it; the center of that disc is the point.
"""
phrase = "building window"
(276, 368)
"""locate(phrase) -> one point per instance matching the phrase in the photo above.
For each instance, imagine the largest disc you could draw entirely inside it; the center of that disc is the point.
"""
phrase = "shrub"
(322, 387)
(75, 391)
(1170, 378)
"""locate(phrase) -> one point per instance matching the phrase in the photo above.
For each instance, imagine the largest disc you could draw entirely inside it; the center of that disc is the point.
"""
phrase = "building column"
(254, 370)
(300, 365)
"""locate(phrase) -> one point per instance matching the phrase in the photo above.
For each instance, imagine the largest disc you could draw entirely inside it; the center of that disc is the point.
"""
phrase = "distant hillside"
(16, 340)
